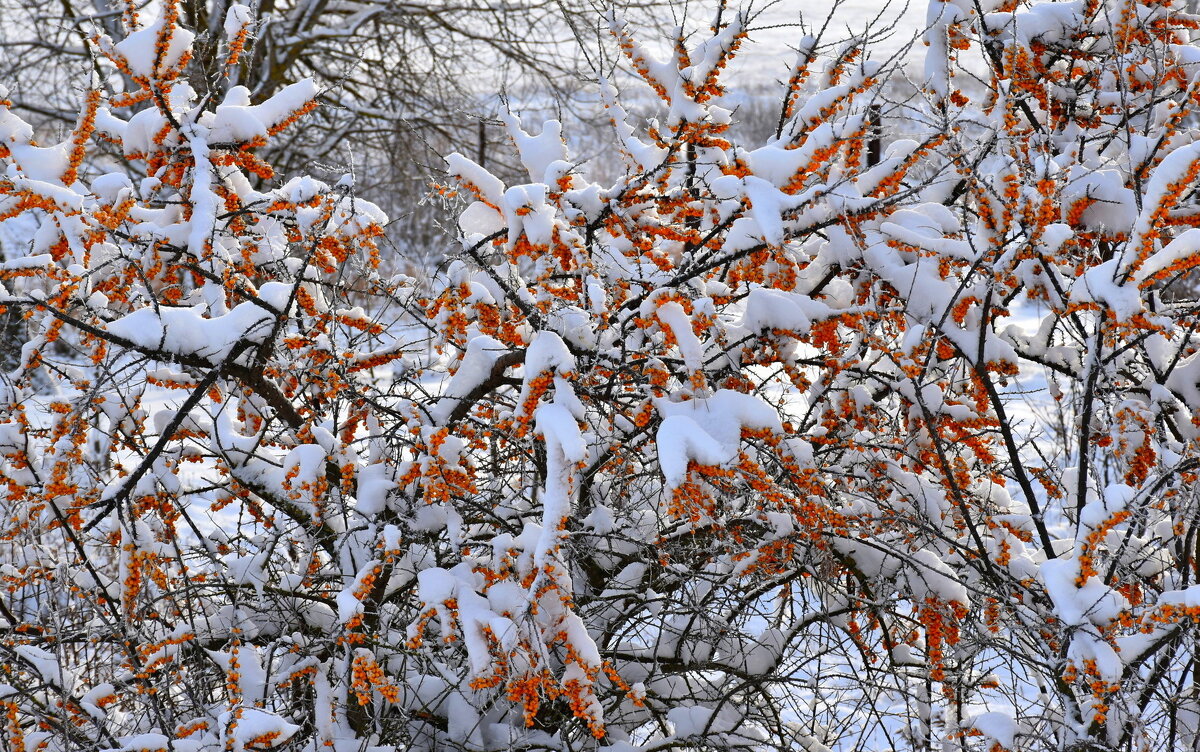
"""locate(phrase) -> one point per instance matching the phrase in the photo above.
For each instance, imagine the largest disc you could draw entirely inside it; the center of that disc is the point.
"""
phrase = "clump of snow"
(997, 726)
(707, 430)
(188, 332)
(236, 120)
(140, 50)
(474, 369)
(237, 18)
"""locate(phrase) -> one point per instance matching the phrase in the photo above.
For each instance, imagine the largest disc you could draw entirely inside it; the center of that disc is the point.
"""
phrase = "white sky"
(768, 57)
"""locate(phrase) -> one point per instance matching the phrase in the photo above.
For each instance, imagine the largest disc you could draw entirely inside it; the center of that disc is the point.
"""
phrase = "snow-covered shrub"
(1052, 395)
(757, 446)
(634, 460)
(556, 502)
(861, 456)
(207, 330)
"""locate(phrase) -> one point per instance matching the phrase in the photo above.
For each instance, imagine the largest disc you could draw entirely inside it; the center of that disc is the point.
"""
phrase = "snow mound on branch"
(237, 18)
(557, 424)
(1000, 727)
(681, 440)
(672, 314)
(930, 577)
(1185, 381)
(236, 120)
(538, 153)
(1187, 244)
(548, 352)
(565, 446)
(140, 49)
(436, 586)
(769, 308)
(257, 729)
(1112, 207)
(697, 720)
(186, 332)
(1098, 285)
(707, 430)
(1095, 602)
(145, 743)
(474, 369)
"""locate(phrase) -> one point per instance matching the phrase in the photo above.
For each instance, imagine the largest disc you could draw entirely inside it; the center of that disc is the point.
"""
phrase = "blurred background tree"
(401, 80)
